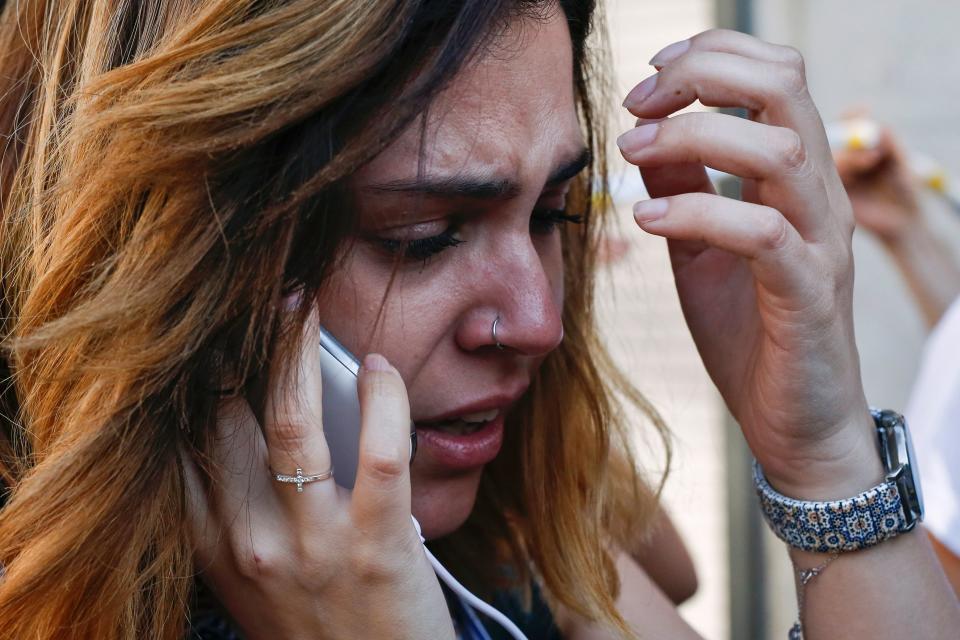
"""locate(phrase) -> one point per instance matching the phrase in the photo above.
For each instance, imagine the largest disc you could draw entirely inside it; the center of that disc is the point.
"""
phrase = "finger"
(229, 500)
(674, 179)
(240, 475)
(241, 525)
(852, 164)
(773, 156)
(775, 252)
(293, 420)
(773, 92)
(381, 495)
(725, 41)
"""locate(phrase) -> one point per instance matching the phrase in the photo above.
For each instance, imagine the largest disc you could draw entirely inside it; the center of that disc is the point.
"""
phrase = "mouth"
(460, 443)
(464, 425)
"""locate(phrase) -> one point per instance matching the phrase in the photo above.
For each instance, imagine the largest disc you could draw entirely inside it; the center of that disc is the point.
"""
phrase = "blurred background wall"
(647, 333)
(899, 59)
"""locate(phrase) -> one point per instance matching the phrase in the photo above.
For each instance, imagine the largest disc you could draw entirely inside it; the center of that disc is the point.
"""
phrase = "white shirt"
(933, 415)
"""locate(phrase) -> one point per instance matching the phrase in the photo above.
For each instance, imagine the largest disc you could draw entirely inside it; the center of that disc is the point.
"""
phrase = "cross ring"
(300, 479)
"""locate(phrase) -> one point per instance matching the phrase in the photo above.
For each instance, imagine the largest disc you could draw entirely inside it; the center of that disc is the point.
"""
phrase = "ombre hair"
(171, 171)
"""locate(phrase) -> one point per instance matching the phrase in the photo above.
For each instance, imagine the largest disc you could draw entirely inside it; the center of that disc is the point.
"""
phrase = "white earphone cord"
(475, 602)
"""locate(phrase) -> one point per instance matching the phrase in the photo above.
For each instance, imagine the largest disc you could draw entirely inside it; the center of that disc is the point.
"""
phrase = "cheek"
(355, 307)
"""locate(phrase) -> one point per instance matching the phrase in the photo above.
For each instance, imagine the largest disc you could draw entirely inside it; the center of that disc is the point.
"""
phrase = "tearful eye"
(544, 221)
(421, 249)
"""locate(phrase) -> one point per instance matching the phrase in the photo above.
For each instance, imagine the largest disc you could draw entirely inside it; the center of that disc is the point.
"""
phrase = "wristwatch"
(879, 513)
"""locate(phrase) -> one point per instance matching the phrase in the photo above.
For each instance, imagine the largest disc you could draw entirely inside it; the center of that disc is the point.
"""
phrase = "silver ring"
(496, 340)
(300, 479)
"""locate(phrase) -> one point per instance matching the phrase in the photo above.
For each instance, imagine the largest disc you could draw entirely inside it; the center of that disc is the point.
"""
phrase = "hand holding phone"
(283, 562)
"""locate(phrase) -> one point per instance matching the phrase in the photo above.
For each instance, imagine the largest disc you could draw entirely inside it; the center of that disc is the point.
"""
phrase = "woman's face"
(477, 208)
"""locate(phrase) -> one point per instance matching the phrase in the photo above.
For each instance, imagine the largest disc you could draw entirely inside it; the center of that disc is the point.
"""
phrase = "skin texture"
(765, 286)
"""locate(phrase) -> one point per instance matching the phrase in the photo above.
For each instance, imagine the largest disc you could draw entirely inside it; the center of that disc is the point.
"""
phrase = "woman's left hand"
(765, 283)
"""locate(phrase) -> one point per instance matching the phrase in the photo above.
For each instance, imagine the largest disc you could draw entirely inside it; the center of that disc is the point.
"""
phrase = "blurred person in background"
(887, 202)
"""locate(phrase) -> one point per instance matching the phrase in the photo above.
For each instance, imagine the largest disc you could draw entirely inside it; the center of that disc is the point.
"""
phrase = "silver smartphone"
(341, 409)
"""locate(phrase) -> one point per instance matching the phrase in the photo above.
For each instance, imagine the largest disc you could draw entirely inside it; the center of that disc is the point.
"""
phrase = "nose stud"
(493, 331)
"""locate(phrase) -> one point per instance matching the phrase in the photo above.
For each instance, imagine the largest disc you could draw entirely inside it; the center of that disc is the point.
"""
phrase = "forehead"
(509, 112)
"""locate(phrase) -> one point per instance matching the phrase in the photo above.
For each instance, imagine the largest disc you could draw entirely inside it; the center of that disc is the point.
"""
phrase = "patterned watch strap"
(838, 525)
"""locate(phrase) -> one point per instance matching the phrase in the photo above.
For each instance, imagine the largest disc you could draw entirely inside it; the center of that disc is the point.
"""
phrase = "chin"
(442, 504)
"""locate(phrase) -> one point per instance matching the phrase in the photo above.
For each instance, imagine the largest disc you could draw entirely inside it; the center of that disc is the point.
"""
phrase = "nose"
(526, 295)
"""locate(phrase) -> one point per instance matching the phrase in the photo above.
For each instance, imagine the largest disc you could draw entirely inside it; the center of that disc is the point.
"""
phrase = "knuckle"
(711, 37)
(773, 230)
(792, 57)
(845, 260)
(288, 435)
(793, 77)
(845, 217)
(847, 226)
(790, 151)
(315, 566)
(254, 563)
(374, 565)
(384, 468)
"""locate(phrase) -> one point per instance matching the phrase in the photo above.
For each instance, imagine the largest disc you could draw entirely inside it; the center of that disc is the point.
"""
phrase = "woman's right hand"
(324, 563)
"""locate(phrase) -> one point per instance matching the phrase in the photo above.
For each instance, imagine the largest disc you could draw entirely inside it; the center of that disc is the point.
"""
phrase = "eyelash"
(422, 249)
(546, 220)
(542, 222)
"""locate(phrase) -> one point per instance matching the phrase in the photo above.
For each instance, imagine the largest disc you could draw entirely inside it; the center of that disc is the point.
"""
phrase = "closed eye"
(544, 221)
(422, 249)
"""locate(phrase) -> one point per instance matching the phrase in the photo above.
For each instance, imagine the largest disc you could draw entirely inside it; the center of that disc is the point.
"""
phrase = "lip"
(461, 452)
(451, 452)
(501, 402)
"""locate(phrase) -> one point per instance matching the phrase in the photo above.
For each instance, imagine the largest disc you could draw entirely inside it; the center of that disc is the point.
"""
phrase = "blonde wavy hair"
(171, 169)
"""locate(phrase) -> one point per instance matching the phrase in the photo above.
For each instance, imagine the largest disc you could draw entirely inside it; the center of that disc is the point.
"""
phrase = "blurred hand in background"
(881, 186)
(886, 201)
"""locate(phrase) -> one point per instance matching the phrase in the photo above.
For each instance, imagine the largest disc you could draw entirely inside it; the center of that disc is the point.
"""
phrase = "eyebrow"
(479, 187)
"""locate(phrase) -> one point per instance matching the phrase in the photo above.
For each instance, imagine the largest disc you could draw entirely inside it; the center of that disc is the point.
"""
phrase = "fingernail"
(640, 92)
(375, 362)
(649, 210)
(670, 53)
(638, 138)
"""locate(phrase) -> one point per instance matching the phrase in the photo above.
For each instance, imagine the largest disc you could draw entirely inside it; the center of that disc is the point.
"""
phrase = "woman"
(193, 187)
